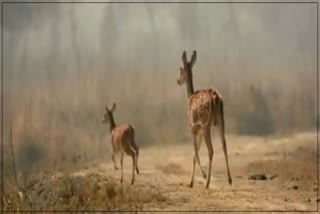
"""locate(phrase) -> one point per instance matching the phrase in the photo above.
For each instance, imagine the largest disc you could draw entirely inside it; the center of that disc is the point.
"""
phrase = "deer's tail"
(217, 107)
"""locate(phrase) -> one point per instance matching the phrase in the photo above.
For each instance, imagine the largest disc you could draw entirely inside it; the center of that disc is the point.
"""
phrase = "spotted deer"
(122, 141)
(205, 109)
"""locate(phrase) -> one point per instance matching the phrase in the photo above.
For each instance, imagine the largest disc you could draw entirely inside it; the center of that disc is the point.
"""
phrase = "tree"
(76, 49)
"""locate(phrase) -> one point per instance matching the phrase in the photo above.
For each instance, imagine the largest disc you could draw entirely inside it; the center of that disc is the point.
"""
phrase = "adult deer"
(205, 109)
(122, 141)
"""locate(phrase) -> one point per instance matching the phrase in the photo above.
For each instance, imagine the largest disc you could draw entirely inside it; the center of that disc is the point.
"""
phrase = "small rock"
(273, 177)
(285, 199)
(295, 187)
(258, 177)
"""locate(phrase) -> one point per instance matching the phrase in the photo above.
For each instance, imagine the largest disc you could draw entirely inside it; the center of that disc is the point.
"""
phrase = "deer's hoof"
(190, 185)
(121, 180)
(204, 175)
(230, 181)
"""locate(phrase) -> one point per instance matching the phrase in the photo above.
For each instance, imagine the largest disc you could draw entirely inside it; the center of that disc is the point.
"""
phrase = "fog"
(229, 38)
(64, 62)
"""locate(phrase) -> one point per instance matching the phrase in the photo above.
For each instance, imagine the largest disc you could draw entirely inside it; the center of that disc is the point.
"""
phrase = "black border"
(317, 107)
(2, 159)
(159, 2)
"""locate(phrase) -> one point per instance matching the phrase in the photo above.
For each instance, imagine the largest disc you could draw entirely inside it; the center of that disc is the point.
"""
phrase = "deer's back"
(200, 107)
(122, 137)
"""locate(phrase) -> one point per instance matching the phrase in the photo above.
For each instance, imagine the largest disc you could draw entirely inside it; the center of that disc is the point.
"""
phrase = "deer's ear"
(114, 107)
(184, 57)
(193, 57)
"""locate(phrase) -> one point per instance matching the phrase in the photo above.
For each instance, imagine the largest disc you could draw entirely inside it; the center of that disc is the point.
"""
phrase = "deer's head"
(186, 69)
(108, 115)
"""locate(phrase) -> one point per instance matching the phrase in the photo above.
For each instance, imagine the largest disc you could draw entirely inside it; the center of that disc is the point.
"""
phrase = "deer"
(205, 110)
(122, 141)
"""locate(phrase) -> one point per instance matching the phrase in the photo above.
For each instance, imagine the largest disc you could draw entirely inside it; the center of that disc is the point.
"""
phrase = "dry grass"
(95, 187)
(59, 191)
(296, 168)
(172, 168)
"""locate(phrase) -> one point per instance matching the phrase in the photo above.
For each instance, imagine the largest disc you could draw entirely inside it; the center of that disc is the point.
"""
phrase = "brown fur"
(205, 108)
(122, 142)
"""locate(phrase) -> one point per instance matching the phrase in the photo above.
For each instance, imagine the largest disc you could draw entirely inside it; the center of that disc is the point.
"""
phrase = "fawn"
(122, 141)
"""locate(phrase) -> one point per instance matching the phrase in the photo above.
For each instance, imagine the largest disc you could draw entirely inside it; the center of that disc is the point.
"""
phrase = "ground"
(289, 164)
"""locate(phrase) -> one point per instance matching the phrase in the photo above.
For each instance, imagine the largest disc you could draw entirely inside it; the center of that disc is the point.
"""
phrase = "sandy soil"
(168, 169)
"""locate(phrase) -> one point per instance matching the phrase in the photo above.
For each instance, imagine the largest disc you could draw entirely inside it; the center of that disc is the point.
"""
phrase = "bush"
(258, 120)
(29, 153)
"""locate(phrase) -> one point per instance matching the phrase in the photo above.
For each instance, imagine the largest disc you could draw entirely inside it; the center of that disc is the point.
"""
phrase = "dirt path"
(168, 169)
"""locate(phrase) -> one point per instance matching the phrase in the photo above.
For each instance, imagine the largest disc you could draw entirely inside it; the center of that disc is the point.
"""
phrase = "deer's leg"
(136, 149)
(132, 153)
(133, 167)
(114, 161)
(197, 155)
(207, 137)
(225, 151)
(194, 136)
(137, 169)
(121, 165)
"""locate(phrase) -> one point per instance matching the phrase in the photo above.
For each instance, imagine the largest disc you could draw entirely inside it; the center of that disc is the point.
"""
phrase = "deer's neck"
(189, 85)
(112, 124)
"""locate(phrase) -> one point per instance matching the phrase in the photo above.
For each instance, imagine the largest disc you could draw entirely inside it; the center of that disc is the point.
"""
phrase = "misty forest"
(62, 63)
